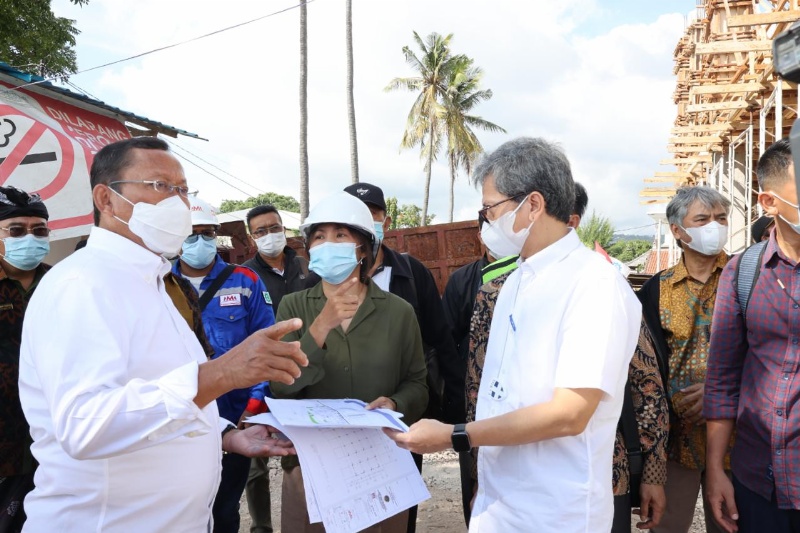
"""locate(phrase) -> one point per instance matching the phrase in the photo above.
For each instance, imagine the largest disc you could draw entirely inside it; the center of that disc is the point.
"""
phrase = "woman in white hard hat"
(361, 342)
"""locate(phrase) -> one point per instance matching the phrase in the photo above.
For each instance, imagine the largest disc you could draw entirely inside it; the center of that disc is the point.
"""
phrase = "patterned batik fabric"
(15, 439)
(652, 418)
(478, 339)
(687, 306)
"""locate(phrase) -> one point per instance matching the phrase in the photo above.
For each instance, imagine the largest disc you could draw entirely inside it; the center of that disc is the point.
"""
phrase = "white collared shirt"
(108, 374)
(565, 318)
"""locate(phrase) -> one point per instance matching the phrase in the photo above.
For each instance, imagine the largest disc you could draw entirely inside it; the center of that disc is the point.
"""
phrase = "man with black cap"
(408, 278)
(24, 242)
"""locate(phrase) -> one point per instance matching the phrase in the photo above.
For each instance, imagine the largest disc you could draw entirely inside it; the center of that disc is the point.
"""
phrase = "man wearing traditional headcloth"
(24, 242)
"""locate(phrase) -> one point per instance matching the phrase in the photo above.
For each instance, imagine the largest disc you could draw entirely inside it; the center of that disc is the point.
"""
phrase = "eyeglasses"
(260, 232)
(21, 231)
(160, 186)
(482, 212)
(207, 235)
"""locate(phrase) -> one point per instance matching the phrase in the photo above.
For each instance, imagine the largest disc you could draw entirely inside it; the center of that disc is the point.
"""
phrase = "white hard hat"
(202, 212)
(341, 208)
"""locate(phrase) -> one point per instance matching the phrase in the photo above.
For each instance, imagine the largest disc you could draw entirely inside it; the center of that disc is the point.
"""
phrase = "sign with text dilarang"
(47, 146)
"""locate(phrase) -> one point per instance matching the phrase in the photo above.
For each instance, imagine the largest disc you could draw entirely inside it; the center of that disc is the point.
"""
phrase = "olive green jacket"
(380, 355)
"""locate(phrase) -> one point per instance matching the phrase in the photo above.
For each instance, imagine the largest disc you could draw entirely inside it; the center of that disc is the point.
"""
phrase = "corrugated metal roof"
(14, 76)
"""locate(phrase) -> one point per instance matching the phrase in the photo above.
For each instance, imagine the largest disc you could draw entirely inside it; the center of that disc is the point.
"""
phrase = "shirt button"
(347, 369)
(779, 452)
(780, 413)
(786, 376)
(231, 317)
(795, 341)
(795, 306)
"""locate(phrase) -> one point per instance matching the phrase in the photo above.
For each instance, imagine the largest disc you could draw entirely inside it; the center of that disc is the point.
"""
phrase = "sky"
(594, 76)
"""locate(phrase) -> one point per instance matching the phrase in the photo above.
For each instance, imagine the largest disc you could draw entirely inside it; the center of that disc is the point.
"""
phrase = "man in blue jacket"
(235, 303)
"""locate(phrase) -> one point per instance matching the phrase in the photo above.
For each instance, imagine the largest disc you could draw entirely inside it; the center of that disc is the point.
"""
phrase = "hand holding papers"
(330, 414)
(354, 475)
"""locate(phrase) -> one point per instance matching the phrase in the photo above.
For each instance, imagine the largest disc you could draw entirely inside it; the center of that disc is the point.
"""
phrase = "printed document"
(353, 474)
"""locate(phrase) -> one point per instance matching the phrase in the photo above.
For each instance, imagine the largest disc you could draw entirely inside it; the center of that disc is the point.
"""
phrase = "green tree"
(424, 126)
(597, 229)
(463, 94)
(284, 203)
(629, 250)
(406, 215)
(33, 39)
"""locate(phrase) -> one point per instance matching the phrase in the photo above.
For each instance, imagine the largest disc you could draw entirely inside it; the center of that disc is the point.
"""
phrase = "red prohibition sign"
(24, 145)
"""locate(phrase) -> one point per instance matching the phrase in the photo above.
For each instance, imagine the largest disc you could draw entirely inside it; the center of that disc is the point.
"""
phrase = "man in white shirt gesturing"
(115, 386)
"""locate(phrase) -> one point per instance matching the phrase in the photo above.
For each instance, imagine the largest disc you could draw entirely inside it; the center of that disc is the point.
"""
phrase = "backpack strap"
(747, 272)
(215, 286)
(630, 433)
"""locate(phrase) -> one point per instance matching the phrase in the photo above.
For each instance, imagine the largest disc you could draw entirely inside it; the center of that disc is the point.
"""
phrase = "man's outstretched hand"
(257, 441)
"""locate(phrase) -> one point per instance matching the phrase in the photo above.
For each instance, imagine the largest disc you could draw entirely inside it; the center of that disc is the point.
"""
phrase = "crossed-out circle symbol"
(23, 146)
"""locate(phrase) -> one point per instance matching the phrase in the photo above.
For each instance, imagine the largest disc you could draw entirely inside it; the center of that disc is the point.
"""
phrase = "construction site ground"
(441, 514)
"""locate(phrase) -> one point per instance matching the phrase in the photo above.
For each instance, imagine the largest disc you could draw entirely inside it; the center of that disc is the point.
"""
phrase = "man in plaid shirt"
(752, 379)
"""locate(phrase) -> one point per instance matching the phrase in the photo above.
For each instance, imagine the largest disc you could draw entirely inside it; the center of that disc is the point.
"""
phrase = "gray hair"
(525, 165)
(686, 196)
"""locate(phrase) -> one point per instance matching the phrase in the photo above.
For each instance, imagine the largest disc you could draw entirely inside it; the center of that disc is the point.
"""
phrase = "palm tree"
(303, 113)
(351, 110)
(424, 126)
(463, 146)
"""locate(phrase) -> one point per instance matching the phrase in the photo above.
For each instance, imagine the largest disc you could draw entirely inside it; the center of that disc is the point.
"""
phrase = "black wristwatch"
(460, 438)
(227, 429)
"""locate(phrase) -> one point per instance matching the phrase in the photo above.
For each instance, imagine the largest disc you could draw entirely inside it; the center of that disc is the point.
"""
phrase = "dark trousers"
(258, 498)
(757, 514)
(465, 465)
(235, 468)
(622, 514)
(412, 513)
(12, 491)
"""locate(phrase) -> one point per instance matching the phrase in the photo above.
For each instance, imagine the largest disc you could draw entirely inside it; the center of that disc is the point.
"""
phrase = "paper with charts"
(354, 475)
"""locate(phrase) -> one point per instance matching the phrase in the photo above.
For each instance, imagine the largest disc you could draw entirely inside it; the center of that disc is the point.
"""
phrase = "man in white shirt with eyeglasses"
(563, 332)
(114, 384)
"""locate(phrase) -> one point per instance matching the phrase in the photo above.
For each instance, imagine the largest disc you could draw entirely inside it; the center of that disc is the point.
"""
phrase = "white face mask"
(501, 239)
(163, 226)
(709, 239)
(271, 244)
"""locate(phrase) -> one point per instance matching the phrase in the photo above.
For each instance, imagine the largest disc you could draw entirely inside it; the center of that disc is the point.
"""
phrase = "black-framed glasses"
(260, 232)
(160, 186)
(482, 212)
(206, 234)
(21, 231)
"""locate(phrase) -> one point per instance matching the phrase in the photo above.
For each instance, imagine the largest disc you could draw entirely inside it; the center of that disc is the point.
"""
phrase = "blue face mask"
(333, 261)
(25, 253)
(379, 230)
(200, 253)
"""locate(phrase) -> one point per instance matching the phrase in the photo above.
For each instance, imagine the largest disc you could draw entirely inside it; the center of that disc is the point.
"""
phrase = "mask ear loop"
(517, 209)
(110, 188)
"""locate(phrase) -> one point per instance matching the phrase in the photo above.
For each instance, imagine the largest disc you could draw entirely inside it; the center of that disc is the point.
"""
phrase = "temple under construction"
(731, 105)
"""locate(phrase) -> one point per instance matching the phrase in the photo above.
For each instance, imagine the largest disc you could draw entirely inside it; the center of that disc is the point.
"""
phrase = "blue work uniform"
(240, 307)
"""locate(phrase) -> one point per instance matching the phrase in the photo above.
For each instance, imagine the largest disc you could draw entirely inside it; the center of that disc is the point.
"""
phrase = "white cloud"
(607, 99)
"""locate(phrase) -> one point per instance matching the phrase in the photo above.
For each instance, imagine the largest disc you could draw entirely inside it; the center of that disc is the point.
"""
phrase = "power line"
(637, 227)
(167, 47)
(84, 91)
(212, 174)
(179, 147)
